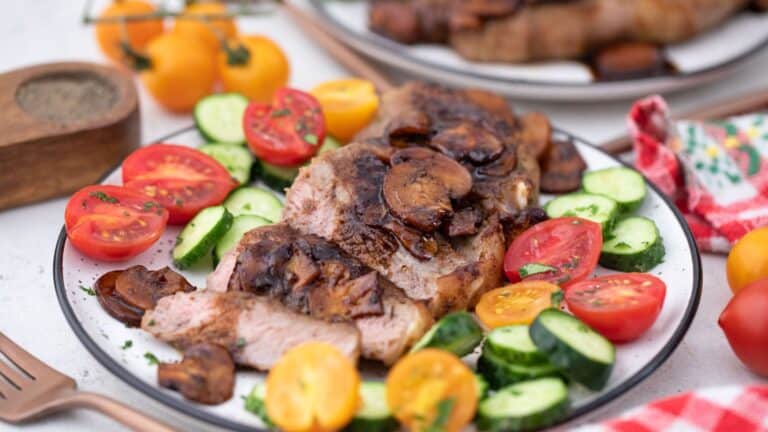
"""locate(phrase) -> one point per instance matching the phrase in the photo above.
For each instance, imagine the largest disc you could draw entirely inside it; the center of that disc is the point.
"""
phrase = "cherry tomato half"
(619, 306)
(182, 179)
(745, 324)
(519, 303)
(562, 251)
(113, 223)
(288, 132)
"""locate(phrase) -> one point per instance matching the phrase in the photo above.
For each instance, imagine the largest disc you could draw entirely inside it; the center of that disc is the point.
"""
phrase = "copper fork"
(32, 389)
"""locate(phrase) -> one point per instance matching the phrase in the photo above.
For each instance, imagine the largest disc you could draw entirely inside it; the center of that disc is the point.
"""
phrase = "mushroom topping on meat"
(468, 141)
(206, 374)
(535, 133)
(126, 294)
(409, 123)
(501, 167)
(420, 186)
(113, 303)
(561, 168)
(422, 246)
(464, 222)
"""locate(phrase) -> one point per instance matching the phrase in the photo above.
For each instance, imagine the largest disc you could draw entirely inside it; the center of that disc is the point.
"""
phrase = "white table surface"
(50, 30)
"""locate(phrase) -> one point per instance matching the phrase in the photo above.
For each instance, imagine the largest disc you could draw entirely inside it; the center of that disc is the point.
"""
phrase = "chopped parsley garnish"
(87, 290)
(444, 408)
(127, 344)
(311, 138)
(151, 358)
(240, 342)
(151, 323)
(104, 197)
(281, 113)
(149, 204)
(556, 298)
(535, 268)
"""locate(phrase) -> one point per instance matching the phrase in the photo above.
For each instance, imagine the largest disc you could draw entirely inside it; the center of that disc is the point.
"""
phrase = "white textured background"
(49, 30)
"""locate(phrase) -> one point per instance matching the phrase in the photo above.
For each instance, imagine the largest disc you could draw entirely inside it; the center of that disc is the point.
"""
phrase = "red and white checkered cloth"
(716, 409)
(715, 172)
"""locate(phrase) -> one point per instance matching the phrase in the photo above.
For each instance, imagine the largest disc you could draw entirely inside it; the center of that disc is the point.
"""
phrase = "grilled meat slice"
(338, 197)
(255, 330)
(389, 322)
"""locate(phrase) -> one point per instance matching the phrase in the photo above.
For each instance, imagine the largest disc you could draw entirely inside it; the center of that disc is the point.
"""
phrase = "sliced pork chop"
(257, 331)
(338, 197)
(312, 276)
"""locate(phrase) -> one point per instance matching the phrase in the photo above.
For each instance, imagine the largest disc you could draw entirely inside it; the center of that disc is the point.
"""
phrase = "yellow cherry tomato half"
(432, 390)
(260, 74)
(313, 387)
(109, 35)
(748, 260)
(518, 303)
(348, 106)
(211, 32)
(180, 71)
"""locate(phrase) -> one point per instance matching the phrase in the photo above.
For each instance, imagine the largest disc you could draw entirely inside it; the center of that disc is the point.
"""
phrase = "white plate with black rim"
(105, 337)
(705, 58)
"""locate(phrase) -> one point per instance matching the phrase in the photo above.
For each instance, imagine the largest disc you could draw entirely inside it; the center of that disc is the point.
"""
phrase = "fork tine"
(15, 378)
(22, 359)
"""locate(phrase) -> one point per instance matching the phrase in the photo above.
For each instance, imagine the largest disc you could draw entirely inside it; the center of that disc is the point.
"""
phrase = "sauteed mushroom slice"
(420, 186)
(561, 168)
(113, 303)
(205, 375)
(501, 166)
(464, 222)
(468, 141)
(422, 246)
(535, 133)
(409, 123)
(142, 288)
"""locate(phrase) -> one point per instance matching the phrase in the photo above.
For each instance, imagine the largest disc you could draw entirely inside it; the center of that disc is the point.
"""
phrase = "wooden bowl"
(63, 126)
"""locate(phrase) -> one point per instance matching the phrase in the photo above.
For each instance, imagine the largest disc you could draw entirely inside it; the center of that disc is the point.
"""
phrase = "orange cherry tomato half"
(745, 324)
(431, 390)
(518, 303)
(348, 104)
(313, 387)
(619, 306)
(181, 178)
(288, 132)
(113, 223)
(562, 251)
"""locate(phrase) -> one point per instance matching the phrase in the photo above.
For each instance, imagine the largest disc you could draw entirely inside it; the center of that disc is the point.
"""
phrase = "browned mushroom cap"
(535, 133)
(113, 303)
(501, 167)
(464, 222)
(468, 141)
(142, 288)
(408, 123)
(419, 187)
(561, 168)
(205, 375)
(422, 246)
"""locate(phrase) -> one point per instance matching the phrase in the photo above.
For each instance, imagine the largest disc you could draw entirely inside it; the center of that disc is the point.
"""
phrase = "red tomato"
(113, 223)
(619, 306)
(562, 251)
(745, 324)
(182, 179)
(289, 131)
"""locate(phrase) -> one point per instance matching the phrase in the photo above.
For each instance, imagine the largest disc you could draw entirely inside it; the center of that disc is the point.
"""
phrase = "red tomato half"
(565, 250)
(288, 132)
(619, 306)
(182, 179)
(113, 223)
(745, 324)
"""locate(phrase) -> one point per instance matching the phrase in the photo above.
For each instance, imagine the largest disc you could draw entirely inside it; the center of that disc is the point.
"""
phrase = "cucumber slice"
(524, 406)
(583, 354)
(219, 118)
(623, 185)
(633, 245)
(457, 332)
(482, 387)
(240, 225)
(255, 403)
(596, 208)
(235, 158)
(281, 178)
(254, 201)
(500, 373)
(374, 414)
(514, 345)
(200, 235)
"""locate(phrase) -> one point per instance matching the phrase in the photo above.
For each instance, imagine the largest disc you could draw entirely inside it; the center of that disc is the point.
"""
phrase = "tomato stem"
(238, 55)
